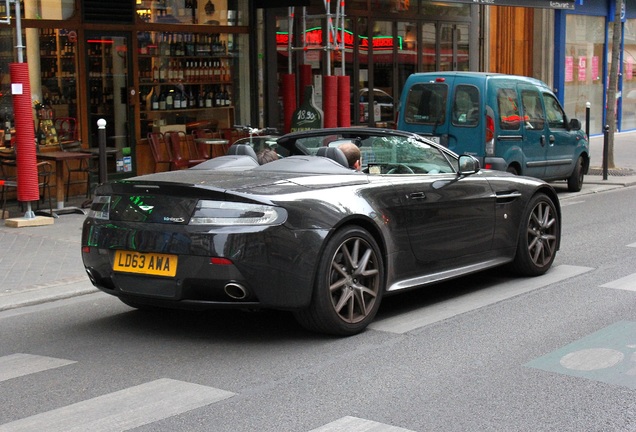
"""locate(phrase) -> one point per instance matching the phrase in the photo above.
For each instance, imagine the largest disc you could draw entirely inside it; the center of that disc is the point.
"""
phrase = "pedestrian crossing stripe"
(423, 316)
(355, 424)
(122, 410)
(627, 283)
(17, 365)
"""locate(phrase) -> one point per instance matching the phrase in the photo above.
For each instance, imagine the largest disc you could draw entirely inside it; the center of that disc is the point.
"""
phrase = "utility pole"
(610, 106)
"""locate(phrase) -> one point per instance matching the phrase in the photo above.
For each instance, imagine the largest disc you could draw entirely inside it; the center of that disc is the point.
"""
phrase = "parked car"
(382, 105)
(510, 123)
(306, 233)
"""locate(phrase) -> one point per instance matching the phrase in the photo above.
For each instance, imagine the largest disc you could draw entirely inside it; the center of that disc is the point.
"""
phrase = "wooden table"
(59, 157)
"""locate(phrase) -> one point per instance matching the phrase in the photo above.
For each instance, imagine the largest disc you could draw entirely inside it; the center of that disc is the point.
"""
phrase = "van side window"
(426, 104)
(466, 106)
(533, 114)
(554, 112)
(508, 104)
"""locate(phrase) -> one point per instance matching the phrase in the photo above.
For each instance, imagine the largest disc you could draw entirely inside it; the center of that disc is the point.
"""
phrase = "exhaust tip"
(235, 291)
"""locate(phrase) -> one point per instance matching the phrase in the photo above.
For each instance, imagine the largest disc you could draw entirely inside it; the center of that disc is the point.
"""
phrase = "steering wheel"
(401, 169)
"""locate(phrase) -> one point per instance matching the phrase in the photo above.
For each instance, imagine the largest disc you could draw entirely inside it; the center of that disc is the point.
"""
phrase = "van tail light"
(490, 136)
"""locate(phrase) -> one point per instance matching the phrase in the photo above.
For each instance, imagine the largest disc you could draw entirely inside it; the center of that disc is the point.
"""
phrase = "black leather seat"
(242, 150)
(333, 153)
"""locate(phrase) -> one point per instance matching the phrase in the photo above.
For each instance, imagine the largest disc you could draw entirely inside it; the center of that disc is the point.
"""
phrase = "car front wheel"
(539, 235)
(348, 287)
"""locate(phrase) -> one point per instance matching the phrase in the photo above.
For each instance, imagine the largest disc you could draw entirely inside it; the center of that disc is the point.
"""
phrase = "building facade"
(147, 65)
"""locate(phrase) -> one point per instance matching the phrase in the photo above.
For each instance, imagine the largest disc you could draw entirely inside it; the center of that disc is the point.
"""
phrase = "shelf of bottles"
(185, 75)
(58, 66)
(100, 76)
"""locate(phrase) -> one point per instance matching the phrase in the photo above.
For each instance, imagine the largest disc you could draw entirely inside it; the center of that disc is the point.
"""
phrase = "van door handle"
(552, 140)
(542, 140)
(417, 195)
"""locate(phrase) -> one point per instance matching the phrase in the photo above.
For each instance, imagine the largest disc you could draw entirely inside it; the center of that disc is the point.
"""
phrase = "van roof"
(475, 75)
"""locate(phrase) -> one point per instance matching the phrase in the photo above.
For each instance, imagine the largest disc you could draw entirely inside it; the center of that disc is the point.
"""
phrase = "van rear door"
(425, 109)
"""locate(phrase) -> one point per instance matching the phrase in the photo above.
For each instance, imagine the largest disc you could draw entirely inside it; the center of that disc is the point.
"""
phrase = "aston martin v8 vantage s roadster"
(309, 234)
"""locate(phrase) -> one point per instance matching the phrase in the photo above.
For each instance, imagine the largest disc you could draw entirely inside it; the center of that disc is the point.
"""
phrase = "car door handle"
(542, 140)
(552, 140)
(417, 195)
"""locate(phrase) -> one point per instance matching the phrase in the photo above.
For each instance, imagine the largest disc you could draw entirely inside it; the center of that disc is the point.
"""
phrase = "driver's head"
(352, 153)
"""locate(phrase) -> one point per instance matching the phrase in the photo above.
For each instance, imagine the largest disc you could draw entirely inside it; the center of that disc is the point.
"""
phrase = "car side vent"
(111, 11)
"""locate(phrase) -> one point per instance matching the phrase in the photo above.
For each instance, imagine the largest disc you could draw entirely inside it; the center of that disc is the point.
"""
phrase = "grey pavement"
(43, 263)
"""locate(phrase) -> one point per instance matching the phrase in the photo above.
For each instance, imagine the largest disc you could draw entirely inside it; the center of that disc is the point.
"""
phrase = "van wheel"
(512, 170)
(575, 181)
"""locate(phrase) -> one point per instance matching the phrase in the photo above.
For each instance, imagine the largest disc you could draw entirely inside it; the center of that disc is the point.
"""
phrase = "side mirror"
(468, 165)
(575, 124)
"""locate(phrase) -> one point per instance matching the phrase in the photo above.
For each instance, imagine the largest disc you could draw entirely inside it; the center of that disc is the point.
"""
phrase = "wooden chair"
(81, 167)
(160, 150)
(66, 128)
(183, 149)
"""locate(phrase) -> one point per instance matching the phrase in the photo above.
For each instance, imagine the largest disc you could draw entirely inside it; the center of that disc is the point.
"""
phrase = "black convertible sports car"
(306, 233)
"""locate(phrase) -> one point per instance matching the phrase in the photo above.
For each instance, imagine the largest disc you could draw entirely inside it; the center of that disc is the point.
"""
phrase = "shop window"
(217, 12)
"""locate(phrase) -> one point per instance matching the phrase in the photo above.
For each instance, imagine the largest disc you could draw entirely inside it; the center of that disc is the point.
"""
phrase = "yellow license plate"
(145, 263)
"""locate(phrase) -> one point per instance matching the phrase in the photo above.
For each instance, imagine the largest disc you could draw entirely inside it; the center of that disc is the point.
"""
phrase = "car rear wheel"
(538, 237)
(575, 181)
(348, 286)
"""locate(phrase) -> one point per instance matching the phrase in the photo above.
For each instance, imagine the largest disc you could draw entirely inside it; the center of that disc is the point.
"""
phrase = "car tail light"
(490, 136)
(229, 213)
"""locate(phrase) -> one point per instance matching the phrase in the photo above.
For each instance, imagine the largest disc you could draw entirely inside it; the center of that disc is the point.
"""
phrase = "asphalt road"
(483, 353)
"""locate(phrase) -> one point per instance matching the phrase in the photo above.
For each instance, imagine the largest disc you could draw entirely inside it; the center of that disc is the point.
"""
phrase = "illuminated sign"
(313, 37)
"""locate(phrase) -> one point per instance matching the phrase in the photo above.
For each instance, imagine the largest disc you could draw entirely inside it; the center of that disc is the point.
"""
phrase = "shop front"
(582, 68)
(384, 42)
(141, 65)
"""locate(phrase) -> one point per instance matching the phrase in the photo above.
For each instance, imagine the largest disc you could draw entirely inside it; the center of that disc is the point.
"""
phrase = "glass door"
(108, 84)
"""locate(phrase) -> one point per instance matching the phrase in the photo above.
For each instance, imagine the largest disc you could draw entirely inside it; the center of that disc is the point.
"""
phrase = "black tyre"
(539, 235)
(512, 170)
(348, 286)
(575, 181)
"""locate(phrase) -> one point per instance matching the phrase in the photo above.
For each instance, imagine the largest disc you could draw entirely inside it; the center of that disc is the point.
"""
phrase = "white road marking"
(354, 424)
(631, 245)
(17, 365)
(123, 410)
(408, 321)
(627, 283)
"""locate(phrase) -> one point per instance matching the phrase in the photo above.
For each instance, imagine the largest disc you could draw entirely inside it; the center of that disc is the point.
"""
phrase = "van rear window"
(508, 104)
(426, 104)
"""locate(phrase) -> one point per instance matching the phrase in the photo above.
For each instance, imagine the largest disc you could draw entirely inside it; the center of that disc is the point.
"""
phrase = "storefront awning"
(546, 4)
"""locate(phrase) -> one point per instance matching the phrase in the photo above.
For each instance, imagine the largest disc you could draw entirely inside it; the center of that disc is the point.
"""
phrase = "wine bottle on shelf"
(162, 100)
(170, 100)
(154, 100)
(191, 101)
(209, 99)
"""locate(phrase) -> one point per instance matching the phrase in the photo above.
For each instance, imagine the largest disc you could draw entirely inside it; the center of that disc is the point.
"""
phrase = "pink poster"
(582, 68)
(629, 69)
(595, 75)
(569, 68)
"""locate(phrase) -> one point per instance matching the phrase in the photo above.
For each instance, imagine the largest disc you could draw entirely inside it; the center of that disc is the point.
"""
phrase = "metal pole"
(101, 136)
(605, 151)
(588, 107)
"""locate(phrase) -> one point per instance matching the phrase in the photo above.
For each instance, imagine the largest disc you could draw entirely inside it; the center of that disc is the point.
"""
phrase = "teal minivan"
(510, 123)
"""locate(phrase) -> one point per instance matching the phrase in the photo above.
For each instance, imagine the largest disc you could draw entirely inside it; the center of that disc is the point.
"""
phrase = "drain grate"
(617, 172)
